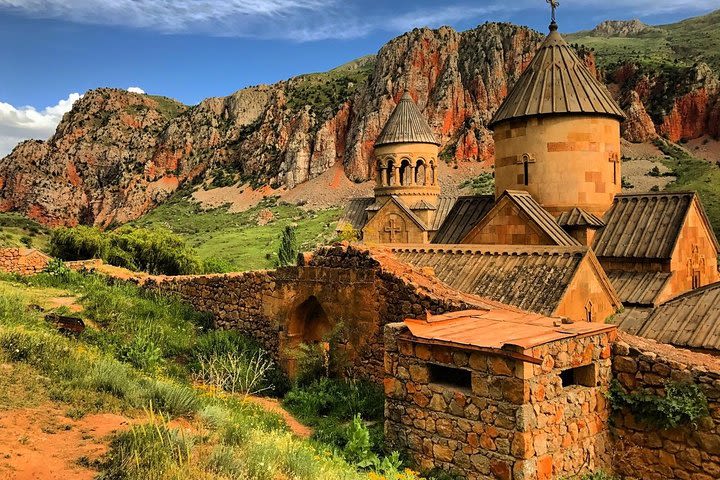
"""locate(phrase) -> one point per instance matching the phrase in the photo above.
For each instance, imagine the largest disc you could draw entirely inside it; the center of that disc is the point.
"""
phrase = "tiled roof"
(690, 320)
(556, 82)
(541, 217)
(643, 226)
(423, 205)
(406, 125)
(466, 212)
(530, 278)
(355, 212)
(577, 217)
(638, 288)
(498, 328)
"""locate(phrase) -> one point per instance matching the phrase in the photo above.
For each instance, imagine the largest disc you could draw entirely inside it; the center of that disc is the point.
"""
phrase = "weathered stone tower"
(557, 134)
(406, 155)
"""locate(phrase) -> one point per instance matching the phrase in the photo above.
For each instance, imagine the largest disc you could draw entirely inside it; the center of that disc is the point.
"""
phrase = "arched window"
(433, 177)
(527, 159)
(390, 172)
(420, 178)
(405, 172)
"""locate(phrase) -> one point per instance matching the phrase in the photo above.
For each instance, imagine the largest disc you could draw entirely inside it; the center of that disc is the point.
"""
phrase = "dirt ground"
(44, 444)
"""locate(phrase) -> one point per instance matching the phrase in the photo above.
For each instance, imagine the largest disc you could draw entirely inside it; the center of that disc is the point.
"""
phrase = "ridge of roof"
(406, 125)
(537, 214)
(556, 82)
(475, 249)
(577, 217)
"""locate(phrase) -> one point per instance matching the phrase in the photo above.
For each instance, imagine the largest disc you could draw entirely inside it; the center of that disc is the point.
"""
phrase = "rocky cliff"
(118, 154)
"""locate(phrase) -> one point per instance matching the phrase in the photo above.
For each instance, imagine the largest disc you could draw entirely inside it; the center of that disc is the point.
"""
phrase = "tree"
(287, 253)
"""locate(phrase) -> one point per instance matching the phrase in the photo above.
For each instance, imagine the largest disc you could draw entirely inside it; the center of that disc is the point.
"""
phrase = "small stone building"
(499, 394)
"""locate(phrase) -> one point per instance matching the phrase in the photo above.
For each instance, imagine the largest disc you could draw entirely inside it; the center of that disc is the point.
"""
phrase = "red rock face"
(117, 155)
(689, 117)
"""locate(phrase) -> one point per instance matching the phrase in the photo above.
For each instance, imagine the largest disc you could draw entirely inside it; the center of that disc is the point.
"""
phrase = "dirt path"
(43, 443)
(273, 405)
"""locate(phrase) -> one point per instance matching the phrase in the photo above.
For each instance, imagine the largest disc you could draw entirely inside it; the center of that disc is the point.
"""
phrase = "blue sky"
(53, 51)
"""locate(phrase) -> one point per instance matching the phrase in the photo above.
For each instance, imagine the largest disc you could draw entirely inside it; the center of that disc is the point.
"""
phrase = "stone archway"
(307, 323)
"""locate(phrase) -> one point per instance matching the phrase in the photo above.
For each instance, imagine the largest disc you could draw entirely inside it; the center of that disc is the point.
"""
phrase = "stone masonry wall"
(515, 421)
(355, 290)
(647, 453)
(23, 261)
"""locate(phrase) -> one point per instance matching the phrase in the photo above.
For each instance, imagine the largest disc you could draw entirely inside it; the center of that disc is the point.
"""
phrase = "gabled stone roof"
(531, 278)
(465, 213)
(556, 82)
(690, 320)
(355, 212)
(646, 225)
(577, 217)
(639, 288)
(537, 214)
(407, 124)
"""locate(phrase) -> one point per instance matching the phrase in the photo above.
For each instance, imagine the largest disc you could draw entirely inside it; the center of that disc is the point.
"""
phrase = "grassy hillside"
(18, 231)
(147, 358)
(239, 240)
(687, 42)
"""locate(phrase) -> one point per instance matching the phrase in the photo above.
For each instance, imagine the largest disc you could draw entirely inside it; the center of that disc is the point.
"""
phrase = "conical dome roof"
(406, 125)
(556, 82)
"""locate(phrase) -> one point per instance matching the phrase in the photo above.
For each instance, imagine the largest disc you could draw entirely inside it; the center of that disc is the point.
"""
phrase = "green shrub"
(109, 375)
(172, 398)
(156, 250)
(147, 451)
(683, 404)
(339, 399)
(235, 373)
(288, 250)
(79, 243)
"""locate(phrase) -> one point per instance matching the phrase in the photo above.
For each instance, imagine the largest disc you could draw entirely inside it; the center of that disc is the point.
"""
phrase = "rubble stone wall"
(647, 452)
(356, 293)
(23, 261)
(514, 420)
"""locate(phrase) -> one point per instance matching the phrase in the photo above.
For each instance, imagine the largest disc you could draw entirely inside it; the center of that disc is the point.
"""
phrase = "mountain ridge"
(117, 154)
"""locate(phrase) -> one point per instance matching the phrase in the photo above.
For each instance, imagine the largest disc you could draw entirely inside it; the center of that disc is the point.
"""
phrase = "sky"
(53, 51)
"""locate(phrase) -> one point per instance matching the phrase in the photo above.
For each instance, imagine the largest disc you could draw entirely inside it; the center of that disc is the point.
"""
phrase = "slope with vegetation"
(181, 385)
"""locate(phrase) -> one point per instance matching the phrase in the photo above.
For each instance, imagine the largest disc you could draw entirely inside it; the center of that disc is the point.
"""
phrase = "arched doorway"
(307, 323)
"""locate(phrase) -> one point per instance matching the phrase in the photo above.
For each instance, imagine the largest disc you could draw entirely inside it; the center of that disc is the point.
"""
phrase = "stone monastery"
(557, 214)
(492, 321)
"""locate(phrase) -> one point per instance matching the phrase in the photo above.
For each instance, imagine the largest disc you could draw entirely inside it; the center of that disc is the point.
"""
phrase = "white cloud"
(23, 123)
(306, 20)
(136, 90)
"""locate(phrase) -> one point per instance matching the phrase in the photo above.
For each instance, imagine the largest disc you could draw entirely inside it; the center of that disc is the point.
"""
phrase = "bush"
(683, 404)
(156, 251)
(235, 373)
(147, 451)
(287, 252)
(340, 399)
(173, 399)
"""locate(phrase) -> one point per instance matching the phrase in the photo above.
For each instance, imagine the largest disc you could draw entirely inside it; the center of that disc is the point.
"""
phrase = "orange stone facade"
(391, 224)
(563, 161)
(590, 297)
(507, 225)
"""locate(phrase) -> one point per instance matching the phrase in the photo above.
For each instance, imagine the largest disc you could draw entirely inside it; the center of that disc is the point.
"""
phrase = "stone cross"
(393, 229)
(554, 4)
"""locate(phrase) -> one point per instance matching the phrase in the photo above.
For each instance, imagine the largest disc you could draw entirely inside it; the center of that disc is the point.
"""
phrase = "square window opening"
(451, 377)
(585, 376)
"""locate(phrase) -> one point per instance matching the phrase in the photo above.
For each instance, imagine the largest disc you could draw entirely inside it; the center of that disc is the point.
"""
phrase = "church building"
(558, 185)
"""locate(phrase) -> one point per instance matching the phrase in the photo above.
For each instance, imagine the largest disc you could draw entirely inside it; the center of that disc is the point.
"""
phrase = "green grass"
(18, 231)
(236, 239)
(325, 92)
(168, 107)
(688, 42)
(229, 438)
